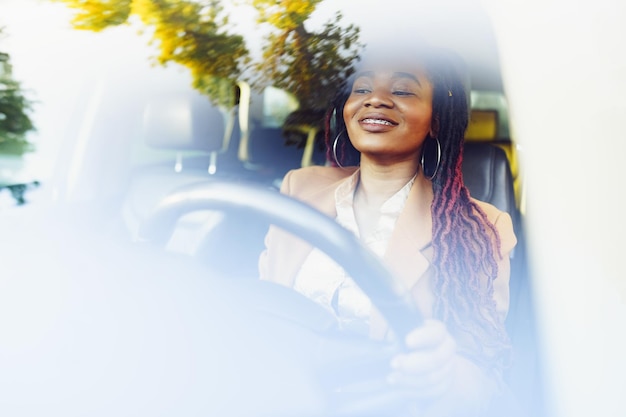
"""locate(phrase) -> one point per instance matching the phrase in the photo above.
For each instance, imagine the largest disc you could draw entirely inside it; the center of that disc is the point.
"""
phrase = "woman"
(397, 184)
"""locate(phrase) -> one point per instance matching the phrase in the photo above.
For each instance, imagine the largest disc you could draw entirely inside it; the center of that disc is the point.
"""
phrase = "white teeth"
(378, 122)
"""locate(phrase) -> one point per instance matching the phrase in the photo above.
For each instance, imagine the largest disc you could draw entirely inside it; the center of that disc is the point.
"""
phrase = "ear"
(434, 126)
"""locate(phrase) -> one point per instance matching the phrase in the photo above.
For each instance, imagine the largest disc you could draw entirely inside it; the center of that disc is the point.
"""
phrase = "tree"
(191, 33)
(15, 122)
(309, 64)
(196, 34)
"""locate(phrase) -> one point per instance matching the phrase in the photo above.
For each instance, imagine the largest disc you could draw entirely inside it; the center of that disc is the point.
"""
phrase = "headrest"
(184, 121)
(487, 175)
(483, 126)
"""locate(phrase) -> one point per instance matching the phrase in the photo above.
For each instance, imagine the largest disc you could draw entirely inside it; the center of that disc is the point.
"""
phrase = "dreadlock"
(464, 254)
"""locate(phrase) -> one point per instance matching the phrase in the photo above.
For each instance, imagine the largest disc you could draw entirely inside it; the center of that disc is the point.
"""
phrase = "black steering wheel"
(299, 219)
(269, 206)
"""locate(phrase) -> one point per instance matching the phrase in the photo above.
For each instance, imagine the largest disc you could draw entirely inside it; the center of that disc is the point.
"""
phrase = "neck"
(379, 182)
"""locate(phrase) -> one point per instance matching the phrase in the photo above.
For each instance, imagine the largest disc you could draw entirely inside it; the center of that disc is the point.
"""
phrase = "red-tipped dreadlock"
(464, 253)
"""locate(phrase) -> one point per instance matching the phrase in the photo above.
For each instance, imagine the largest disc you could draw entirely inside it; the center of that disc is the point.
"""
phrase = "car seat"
(182, 135)
(488, 175)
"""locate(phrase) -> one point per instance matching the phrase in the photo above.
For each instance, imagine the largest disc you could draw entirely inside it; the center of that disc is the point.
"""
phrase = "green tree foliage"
(14, 107)
(197, 34)
(310, 64)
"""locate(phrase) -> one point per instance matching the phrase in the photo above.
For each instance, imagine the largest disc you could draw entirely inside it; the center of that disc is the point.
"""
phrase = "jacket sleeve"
(267, 259)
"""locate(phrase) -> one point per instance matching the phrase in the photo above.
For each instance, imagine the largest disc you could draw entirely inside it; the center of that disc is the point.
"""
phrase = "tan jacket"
(408, 254)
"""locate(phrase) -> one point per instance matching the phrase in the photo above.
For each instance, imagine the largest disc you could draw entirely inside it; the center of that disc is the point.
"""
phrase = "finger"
(431, 333)
(425, 361)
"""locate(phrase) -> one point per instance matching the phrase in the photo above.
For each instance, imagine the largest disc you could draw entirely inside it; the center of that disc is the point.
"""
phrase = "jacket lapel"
(405, 253)
(412, 234)
(323, 199)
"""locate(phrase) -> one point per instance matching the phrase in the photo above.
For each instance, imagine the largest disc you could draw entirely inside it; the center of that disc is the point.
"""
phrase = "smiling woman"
(410, 125)
(449, 251)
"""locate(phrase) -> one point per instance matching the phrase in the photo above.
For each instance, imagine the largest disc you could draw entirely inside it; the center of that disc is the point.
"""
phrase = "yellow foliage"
(188, 32)
(194, 33)
(97, 15)
(285, 14)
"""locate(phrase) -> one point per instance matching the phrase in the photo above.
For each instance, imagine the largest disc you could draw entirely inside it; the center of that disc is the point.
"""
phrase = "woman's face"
(388, 113)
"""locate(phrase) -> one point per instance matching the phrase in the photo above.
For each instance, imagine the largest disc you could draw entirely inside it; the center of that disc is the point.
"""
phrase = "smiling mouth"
(378, 122)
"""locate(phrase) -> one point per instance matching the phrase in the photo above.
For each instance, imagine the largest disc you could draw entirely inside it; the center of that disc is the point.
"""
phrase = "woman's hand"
(442, 382)
(428, 369)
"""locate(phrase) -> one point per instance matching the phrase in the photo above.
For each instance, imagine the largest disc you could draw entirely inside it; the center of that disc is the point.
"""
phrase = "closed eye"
(403, 93)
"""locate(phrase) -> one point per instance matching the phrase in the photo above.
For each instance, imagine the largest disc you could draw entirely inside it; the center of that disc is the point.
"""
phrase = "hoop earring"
(335, 142)
(431, 157)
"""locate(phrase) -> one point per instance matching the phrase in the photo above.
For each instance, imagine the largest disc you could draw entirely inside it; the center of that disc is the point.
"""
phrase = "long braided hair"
(466, 246)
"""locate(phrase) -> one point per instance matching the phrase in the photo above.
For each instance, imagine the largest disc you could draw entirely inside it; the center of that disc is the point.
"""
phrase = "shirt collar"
(344, 194)
(344, 201)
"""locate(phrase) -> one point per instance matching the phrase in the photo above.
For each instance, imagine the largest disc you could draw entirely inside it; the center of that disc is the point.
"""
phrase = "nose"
(379, 98)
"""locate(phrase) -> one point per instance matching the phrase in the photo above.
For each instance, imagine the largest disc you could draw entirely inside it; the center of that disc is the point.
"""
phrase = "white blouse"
(323, 281)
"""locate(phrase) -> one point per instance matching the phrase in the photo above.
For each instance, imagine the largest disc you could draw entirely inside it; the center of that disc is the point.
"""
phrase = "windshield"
(85, 109)
(114, 105)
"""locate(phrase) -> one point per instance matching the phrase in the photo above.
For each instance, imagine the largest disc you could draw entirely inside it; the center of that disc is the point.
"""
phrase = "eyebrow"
(397, 74)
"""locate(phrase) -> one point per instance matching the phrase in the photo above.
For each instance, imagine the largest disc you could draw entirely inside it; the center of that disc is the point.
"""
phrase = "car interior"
(99, 327)
(188, 140)
(183, 139)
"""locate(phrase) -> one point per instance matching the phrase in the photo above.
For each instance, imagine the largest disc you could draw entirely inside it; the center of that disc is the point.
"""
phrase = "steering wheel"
(319, 230)
(302, 221)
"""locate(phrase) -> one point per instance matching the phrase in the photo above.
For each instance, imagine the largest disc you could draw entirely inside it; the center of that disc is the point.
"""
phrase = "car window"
(277, 105)
(493, 101)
